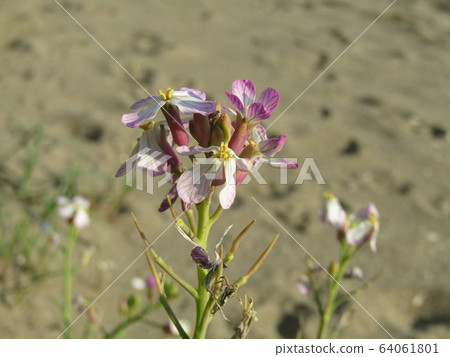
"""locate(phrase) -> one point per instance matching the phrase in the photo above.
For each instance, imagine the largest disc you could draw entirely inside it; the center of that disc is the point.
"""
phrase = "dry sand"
(375, 124)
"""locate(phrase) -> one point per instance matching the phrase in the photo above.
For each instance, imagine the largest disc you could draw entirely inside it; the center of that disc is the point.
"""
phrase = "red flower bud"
(200, 129)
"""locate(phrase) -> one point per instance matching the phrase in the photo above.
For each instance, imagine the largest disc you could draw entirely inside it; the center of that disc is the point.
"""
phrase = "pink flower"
(243, 99)
(187, 100)
(150, 282)
(304, 288)
(153, 152)
(75, 211)
(265, 149)
(194, 184)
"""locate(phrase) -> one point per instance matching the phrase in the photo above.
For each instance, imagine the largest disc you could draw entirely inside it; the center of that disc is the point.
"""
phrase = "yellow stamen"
(224, 152)
(169, 93)
(166, 96)
(163, 96)
(147, 126)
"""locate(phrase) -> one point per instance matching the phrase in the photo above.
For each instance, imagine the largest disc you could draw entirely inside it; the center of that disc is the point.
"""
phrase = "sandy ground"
(376, 124)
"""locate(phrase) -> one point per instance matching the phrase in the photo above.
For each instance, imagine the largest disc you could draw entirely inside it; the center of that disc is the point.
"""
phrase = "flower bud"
(239, 137)
(133, 302)
(171, 290)
(221, 130)
(333, 268)
(200, 129)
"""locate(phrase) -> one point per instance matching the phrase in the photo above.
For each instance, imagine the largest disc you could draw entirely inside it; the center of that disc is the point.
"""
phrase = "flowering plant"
(228, 143)
(352, 232)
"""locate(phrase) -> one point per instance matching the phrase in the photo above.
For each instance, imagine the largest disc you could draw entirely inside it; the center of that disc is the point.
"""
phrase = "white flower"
(333, 213)
(75, 211)
(138, 283)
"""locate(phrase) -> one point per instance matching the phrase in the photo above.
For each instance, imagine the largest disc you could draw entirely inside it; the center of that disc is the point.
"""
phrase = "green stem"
(169, 270)
(67, 299)
(203, 228)
(191, 220)
(332, 293)
(120, 329)
(173, 318)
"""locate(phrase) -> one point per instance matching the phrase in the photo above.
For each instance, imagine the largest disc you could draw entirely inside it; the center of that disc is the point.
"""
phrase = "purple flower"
(150, 283)
(265, 149)
(153, 152)
(194, 184)
(243, 99)
(187, 100)
(75, 211)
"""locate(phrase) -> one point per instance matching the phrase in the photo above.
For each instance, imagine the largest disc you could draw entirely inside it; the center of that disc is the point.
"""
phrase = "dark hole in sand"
(423, 323)
(290, 323)
(369, 100)
(352, 148)
(325, 112)
(405, 188)
(94, 133)
(438, 132)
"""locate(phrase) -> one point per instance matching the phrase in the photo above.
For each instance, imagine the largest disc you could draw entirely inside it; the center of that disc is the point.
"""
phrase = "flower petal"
(66, 210)
(81, 219)
(62, 200)
(150, 99)
(257, 111)
(81, 202)
(154, 163)
(196, 149)
(133, 120)
(235, 102)
(359, 233)
(193, 92)
(244, 164)
(269, 97)
(228, 193)
(272, 146)
(188, 103)
(244, 89)
(333, 213)
(258, 133)
(194, 184)
(366, 212)
(150, 156)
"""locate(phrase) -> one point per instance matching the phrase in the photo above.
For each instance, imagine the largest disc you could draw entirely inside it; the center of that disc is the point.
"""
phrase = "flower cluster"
(357, 228)
(231, 142)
